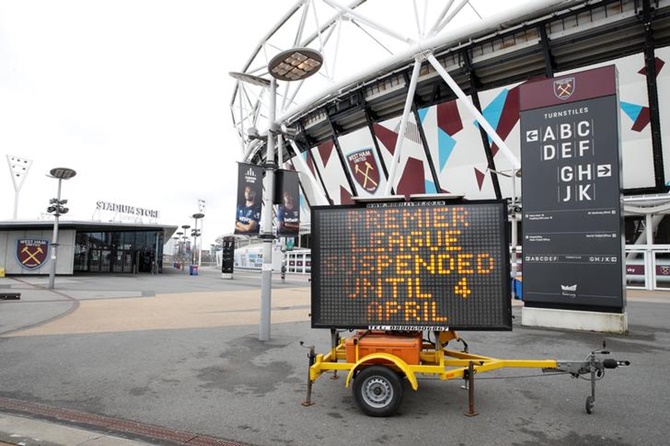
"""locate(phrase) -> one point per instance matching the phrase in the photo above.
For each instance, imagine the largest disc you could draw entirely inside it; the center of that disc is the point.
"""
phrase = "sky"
(134, 95)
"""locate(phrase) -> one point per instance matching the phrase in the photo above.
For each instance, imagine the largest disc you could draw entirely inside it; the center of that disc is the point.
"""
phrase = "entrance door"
(106, 261)
(145, 261)
(94, 261)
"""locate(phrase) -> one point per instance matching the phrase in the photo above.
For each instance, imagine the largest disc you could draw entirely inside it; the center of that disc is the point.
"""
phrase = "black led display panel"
(425, 265)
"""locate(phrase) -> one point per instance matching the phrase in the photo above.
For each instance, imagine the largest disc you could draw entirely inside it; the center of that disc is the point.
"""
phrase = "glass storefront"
(119, 252)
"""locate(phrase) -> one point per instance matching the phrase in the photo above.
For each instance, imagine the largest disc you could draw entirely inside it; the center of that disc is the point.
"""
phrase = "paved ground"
(175, 359)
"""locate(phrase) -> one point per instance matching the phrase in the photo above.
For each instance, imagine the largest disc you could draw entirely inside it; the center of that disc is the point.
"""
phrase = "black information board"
(572, 220)
(411, 266)
(228, 255)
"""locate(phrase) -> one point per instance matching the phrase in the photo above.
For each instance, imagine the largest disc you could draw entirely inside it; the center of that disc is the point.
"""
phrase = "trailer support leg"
(312, 357)
(334, 341)
(471, 391)
(591, 400)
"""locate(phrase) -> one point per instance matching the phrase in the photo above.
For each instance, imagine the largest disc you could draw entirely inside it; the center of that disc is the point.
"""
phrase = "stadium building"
(396, 106)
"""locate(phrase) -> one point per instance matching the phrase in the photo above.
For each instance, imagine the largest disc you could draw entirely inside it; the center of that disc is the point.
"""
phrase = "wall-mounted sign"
(572, 221)
(32, 253)
(126, 209)
(411, 266)
(364, 169)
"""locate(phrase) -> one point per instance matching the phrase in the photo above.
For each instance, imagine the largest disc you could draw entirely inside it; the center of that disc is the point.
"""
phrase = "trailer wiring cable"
(541, 375)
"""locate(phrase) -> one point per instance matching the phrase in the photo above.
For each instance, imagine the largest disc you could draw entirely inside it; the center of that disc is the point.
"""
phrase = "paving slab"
(185, 357)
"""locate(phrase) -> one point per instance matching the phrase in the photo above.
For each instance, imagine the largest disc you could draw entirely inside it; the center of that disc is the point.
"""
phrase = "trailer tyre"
(378, 391)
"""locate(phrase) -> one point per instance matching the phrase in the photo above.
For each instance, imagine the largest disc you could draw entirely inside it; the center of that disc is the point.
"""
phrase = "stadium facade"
(403, 123)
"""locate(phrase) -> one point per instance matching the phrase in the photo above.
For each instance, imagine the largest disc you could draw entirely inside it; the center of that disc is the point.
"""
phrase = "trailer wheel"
(378, 391)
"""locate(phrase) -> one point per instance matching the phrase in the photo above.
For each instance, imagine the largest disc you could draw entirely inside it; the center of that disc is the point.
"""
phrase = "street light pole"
(57, 208)
(196, 234)
(267, 235)
(291, 65)
(178, 255)
(185, 228)
(175, 249)
(202, 225)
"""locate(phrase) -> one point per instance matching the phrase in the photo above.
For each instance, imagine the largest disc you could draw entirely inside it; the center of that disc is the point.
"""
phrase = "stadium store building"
(83, 247)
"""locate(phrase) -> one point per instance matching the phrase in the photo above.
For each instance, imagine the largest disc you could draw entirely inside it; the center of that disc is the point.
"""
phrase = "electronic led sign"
(427, 265)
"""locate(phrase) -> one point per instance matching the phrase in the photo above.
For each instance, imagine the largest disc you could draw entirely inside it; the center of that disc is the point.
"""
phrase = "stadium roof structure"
(86, 226)
(379, 64)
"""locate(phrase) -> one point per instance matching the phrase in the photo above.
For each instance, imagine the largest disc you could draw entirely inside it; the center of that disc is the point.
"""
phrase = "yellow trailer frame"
(380, 394)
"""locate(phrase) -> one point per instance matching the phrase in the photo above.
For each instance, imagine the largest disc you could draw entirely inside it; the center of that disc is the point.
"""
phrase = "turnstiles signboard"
(572, 220)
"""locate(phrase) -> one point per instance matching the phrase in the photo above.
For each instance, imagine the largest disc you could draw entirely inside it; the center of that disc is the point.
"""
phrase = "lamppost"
(185, 228)
(291, 65)
(57, 207)
(196, 234)
(175, 250)
(514, 211)
(179, 247)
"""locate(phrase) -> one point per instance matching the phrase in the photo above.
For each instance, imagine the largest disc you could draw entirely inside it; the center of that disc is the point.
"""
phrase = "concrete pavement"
(22, 430)
(174, 359)
(102, 304)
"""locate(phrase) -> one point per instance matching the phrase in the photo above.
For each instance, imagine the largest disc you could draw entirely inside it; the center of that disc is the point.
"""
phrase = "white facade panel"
(634, 128)
(327, 162)
(10, 260)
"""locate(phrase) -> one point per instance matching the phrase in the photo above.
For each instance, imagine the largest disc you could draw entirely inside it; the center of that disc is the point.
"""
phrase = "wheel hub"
(377, 392)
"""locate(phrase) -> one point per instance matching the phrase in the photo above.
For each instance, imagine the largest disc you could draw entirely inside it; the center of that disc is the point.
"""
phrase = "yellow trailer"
(408, 272)
(377, 362)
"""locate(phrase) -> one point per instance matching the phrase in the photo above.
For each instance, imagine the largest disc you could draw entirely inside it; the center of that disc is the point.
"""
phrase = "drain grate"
(110, 424)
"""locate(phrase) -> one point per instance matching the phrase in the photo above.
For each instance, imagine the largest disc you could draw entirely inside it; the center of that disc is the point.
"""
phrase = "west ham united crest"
(32, 253)
(563, 88)
(363, 165)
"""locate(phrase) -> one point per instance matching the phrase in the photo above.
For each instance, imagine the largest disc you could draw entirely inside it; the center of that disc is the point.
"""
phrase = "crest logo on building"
(363, 165)
(563, 88)
(32, 253)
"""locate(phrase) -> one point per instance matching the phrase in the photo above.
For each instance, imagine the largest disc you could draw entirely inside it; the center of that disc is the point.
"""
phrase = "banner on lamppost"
(287, 189)
(573, 250)
(249, 193)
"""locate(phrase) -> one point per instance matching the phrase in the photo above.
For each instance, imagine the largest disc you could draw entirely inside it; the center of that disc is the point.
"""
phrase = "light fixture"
(62, 173)
(250, 79)
(295, 64)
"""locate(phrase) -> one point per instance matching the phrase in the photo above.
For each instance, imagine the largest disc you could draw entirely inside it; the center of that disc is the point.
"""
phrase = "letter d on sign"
(548, 152)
